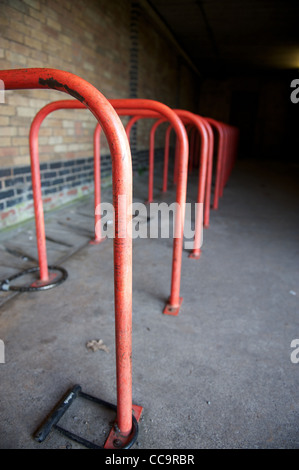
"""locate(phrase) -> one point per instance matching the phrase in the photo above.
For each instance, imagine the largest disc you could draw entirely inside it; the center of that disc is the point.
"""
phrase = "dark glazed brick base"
(60, 180)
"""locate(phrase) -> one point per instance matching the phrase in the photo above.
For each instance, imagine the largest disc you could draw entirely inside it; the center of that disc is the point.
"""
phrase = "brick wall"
(112, 44)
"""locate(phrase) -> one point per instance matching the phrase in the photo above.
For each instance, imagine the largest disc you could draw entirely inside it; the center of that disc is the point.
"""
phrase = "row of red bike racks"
(206, 155)
(201, 132)
(226, 151)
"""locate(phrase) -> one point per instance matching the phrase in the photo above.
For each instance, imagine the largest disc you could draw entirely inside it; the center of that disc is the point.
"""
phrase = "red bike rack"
(125, 430)
(209, 174)
(166, 158)
(34, 156)
(151, 150)
(155, 109)
(200, 125)
(146, 108)
(226, 156)
(219, 127)
(195, 161)
(206, 164)
(97, 183)
(151, 159)
(204, 129)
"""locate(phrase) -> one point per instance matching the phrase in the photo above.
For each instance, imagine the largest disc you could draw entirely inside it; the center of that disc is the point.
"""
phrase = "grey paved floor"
(219, 375)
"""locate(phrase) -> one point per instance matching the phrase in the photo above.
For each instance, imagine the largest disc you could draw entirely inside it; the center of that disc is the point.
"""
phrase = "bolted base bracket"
(172, 309)
(194, 255)
(97, 241)
(115, 440)
(40, 283)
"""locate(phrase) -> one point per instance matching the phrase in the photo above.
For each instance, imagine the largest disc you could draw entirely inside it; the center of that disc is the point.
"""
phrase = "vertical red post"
(166, 158)
(97, 183)
(45, 276)
(37, 200)
(34, 155)
(152, 160)
(176, 162)
(130, 124)
(209, 175)
(174, 302)
(198, 122)
(225, 158)
(220, 154)
(192, 149)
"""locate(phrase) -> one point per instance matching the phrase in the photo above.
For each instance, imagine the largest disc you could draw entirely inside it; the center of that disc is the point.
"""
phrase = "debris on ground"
(96, 344)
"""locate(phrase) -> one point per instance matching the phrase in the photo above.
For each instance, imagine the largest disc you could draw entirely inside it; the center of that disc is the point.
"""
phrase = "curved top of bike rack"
(100, 107)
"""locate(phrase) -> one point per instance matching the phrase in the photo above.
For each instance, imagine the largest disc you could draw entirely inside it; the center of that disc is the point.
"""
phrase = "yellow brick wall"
(90, 39)
(101, 41)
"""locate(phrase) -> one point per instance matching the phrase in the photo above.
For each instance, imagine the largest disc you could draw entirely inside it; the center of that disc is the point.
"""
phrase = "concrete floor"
(217, 376)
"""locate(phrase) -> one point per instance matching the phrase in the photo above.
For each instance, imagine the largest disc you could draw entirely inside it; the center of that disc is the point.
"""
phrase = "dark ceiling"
(234, 35)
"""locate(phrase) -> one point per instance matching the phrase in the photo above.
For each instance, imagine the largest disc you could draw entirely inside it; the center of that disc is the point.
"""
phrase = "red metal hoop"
(90, 97)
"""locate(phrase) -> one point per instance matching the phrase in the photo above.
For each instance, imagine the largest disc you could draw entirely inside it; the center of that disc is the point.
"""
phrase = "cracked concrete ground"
(217, 376)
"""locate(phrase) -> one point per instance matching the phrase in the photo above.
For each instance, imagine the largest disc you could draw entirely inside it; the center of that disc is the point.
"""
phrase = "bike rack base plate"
(170, 310)
(114, 439)
(40, 283)
(97, 242)
(194, 255)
